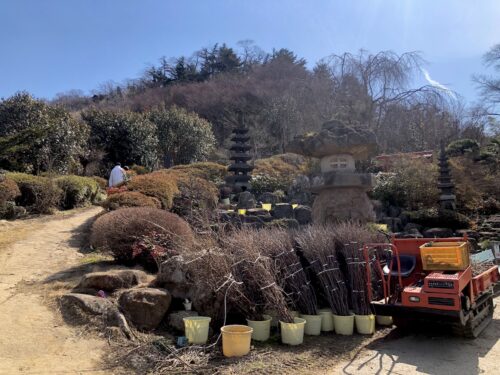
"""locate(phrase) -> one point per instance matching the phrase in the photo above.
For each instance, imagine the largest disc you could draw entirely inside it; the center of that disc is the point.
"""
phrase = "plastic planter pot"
(313, 324)
(326, 320)
(365, 324)
(344, 325)
(261, 328)
(293, 333)
(236, 340)
(196, 328)
(383, 320)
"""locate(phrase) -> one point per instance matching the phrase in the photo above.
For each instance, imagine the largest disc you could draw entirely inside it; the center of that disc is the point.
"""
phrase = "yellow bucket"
(293, 333)
(384, 320)
(326, 320)
(242, 211)
(313, 324)
(261, 328)
(267, 206)
(236, 340)
(365, 324)
(344, 325)
(196, 329)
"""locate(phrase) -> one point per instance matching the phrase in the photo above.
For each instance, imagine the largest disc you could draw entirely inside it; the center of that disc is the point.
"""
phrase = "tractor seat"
(407, 262)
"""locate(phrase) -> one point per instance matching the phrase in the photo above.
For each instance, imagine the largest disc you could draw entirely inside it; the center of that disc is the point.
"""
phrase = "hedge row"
(39, 194)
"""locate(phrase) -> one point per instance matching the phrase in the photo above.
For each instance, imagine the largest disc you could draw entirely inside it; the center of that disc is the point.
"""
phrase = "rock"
(256, 221)
(303, 214)
(113, 280)
(268, 197)
(246, 200)
(261, 213)
(145, 307)
(408, 227)
(393, 223)
(282, 211)
(175, 319)
(299, 191)
(89, 304)
(413, 233)
(438, 233)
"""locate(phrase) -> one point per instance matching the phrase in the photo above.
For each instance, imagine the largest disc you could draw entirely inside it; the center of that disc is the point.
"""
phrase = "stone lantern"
(341, 190)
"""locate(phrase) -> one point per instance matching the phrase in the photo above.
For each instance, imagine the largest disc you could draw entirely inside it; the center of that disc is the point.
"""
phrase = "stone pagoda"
(240, 155)
(341, 189)
(447, 198)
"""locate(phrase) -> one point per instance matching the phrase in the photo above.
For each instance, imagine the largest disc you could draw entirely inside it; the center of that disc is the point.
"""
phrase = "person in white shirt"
(117, 176)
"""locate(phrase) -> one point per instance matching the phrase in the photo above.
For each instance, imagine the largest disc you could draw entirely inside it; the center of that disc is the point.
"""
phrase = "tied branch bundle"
(357, 278)
(318, 246)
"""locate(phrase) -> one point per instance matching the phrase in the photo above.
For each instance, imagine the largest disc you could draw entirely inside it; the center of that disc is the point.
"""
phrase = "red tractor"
(431, 280)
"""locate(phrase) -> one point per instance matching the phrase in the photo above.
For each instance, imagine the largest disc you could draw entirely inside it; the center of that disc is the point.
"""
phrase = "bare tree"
(490, 85)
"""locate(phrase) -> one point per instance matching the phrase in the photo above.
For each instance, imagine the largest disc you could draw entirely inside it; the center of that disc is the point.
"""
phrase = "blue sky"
(52, 46)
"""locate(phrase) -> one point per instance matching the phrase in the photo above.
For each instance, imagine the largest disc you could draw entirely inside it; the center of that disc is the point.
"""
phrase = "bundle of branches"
(319, 247)
(481, 266)
(356, 275)
(257, 289)
(278, 245)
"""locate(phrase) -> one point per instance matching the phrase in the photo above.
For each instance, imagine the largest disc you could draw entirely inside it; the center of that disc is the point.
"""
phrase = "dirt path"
(33, 338)
(423, 354)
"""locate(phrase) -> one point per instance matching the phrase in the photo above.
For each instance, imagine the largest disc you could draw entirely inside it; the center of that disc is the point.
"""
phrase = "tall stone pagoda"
(240, 155)
(447, 198)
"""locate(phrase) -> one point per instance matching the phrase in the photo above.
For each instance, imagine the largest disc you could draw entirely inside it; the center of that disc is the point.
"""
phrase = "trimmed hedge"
(38, 194)
(130, 199)
(157, 186)
(118, 231)
(77, 191)
(209, 171)
(9, 190)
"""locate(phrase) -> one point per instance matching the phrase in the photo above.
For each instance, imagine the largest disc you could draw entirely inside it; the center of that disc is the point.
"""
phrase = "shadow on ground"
(437, 354)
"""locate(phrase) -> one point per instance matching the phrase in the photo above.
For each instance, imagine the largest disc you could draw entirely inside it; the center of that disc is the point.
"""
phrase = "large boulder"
(268, 197)
(145, 307)
(91, 305)
(438, 233)
(342, 204)
(303, 215)
(282, 211)
(175, 319)
(79, 308)
(246, 200)
(113, 280)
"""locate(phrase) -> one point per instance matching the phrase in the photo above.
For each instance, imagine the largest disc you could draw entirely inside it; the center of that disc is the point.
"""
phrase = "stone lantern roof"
(335, 138)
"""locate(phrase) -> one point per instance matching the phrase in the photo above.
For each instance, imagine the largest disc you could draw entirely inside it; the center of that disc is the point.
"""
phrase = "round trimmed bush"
(77, 191)
(130, 199)
(38, 194)
(9, 190)
(118, 231)
(157, 186)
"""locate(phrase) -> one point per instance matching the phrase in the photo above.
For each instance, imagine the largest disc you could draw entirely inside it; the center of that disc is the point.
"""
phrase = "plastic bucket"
(293, 333)
(236, 340)
(313, 324)
(274, 320)
(365, 324)
(196, 328)
(384, 320)
(261, 329)
(326, 320)
(344, 325)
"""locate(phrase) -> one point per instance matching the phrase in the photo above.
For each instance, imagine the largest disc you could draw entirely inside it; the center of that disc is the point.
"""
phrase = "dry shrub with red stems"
(119, 230)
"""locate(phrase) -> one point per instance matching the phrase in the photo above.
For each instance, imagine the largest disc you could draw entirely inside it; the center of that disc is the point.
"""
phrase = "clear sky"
(51, 46)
